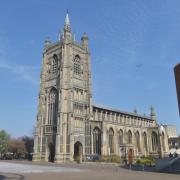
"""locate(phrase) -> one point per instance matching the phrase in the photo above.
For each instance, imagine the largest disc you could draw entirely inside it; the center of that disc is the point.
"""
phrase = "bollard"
(143, 167)
(116, 168)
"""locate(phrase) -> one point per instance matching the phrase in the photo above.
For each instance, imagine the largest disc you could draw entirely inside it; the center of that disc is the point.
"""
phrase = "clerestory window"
(111, 141)
(120, 137)
(97, 141)
(154, 140)
(138, 141)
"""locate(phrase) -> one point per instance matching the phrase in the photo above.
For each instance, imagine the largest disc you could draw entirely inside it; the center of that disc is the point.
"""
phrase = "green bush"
(148, 161)
(78, 159)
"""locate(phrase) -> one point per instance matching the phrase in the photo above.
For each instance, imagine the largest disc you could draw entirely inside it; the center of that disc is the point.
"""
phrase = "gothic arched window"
(77, 65)
(111, 141)
(138, 141)
(54, 64)
(154, 139)
(145, 141)
(52, 106)
(97, 140)
(120, 137)
(129, 135)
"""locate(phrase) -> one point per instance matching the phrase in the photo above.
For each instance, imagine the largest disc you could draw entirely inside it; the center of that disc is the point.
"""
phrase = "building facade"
(68, 125)
(171, 131)
(177, 80)
(174, 145)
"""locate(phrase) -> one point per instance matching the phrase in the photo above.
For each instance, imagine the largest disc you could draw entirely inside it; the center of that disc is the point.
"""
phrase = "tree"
(17, 147)
(4, 141)
(29, 143)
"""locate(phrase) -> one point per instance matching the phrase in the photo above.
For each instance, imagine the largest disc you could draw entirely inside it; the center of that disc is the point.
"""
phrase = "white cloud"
(151, 86)
(22, 72)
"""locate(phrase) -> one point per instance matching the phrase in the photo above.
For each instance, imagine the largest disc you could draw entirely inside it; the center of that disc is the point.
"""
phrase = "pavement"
(26, 168)
(20, 170)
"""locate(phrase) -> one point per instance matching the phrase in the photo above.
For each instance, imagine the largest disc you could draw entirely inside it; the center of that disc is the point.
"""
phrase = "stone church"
(68, 125)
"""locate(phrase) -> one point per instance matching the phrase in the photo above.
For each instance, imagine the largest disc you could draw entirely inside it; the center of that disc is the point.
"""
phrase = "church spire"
(152, 113)
(67, 26)
(67, 21)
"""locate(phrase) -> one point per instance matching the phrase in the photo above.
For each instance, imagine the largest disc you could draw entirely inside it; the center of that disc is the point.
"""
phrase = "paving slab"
(7, 167)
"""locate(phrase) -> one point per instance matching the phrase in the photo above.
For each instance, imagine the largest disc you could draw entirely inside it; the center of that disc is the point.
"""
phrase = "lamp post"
(161, 130)
(125, 156)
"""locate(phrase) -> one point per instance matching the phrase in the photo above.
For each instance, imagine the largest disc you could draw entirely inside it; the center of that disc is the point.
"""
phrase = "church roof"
(121, 112)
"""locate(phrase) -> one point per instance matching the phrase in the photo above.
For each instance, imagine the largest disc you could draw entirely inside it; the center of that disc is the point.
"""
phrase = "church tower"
(65, 99)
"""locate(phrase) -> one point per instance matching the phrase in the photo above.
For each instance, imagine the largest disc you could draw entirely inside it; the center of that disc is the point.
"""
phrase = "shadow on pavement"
(2, 177)
(11, 176)
(135, 167)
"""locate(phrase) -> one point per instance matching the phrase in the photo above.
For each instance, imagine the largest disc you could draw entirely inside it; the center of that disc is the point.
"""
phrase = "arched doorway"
(51, 152)
(78, 150)
(130, 156)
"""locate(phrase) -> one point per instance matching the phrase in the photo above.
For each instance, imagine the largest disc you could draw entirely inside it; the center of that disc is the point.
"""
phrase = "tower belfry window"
(77, 65)
(54, 64)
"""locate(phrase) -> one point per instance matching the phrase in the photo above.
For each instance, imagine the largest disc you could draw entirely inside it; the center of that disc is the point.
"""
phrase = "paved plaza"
(70, 171)
(28, 168)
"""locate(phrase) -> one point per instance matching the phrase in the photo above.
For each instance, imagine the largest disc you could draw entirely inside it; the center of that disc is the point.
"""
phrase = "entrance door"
(130, 156)
(77, 151)
(51, 152)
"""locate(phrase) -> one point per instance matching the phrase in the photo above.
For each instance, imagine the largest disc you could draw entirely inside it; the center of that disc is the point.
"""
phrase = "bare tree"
(17, 147)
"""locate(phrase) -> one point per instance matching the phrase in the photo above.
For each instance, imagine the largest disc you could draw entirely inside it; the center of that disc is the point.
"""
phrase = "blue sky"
(134, 46)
